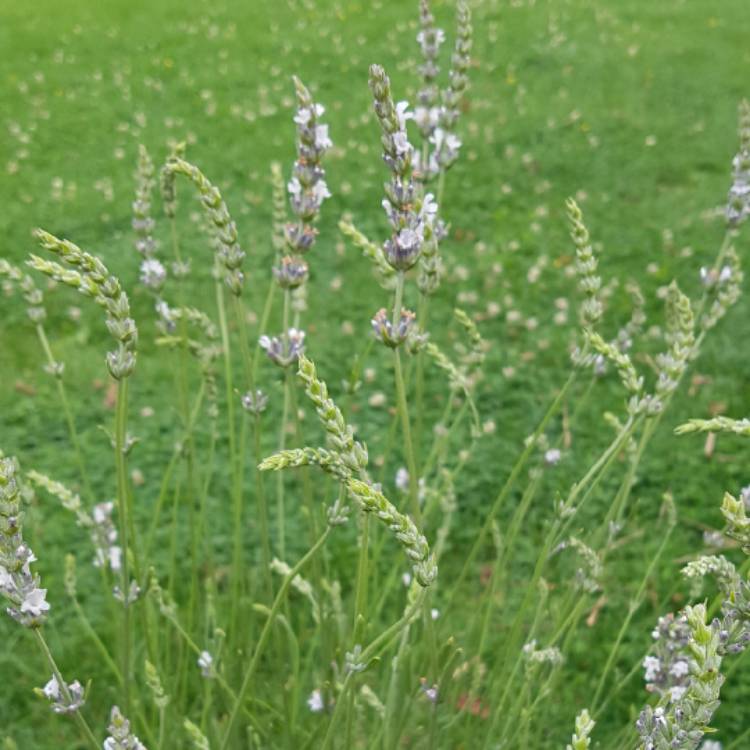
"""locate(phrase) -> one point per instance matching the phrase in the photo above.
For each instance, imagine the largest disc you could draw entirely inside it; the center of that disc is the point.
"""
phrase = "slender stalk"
(509, 484)
(366, 656)
(264, 635)
(360, 596)
(125, 520)
(626, 622)
(70, 421)
(77, 717)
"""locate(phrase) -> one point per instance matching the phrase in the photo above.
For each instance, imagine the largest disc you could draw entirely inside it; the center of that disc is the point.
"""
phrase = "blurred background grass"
(628, 104)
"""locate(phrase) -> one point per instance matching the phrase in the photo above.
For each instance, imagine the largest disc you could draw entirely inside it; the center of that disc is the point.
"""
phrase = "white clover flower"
(315, 701)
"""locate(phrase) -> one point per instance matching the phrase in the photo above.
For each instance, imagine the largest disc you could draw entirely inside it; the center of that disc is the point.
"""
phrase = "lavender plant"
(325, 624)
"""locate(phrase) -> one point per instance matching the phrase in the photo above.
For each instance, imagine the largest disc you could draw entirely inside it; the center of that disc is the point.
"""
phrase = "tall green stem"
(264, 635)
(125, 520)
(78, 718)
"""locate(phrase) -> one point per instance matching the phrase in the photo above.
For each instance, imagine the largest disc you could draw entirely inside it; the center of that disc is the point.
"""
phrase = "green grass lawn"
(630, 105)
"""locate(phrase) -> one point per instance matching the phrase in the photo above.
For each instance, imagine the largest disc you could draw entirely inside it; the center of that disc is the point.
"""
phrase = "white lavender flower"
(390, 335)
(143, 223)
(28, 602)
(738, 202)
(429, 39)
(667, 666)
(291, 272)
(64, 699)
(284, 350)
(121, 738)
(254, 401)
(447, 150)
(104, 537)
(402, 249)
(153, 274)
(315, 701)
(307, 187)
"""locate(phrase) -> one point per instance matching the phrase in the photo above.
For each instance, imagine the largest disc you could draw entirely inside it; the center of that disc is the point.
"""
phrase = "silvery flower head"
(390, 335)
(254, 402)
(738, 202)
(104, 537)
(403, 248)
(65, 699)
(291, 272)
(306, 202)
(300, 238)
(153, 274)
(447, 146)
(121, 738)
(284, 350)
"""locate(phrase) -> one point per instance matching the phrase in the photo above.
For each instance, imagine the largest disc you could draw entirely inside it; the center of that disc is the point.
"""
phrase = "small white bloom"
(434, 613)
(315, 701)
(406, 579)
(206, 663)
(52, 689)
(402, 479)
(679, 669)
(652, 665)
(153, 273)
(34, 602)
(403, 114)
(294, 187)
(322, 140)
(552, 456)
(320, 191)
(401, 142)
(429, 207)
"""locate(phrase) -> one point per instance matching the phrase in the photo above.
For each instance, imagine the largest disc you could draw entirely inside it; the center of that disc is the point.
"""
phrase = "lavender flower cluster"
(738, 202)
(438, 111)
(28, 602)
